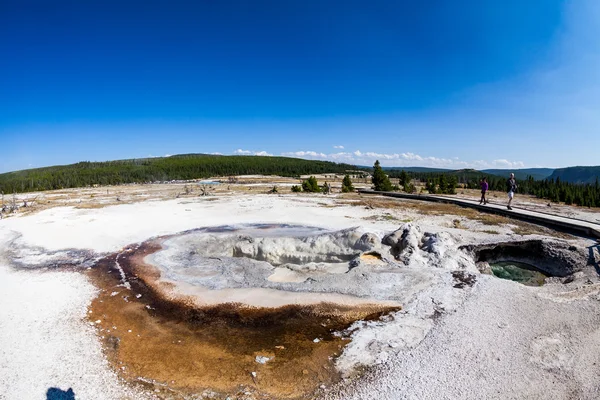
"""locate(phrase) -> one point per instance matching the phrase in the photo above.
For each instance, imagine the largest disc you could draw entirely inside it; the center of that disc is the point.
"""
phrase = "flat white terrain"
(496, 339)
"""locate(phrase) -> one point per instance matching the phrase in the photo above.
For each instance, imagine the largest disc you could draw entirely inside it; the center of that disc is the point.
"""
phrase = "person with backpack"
(511, 185)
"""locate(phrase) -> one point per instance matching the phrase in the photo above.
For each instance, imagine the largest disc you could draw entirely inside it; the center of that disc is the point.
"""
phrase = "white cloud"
(406, 159)
(241, 152)
(341, 156)
(411, 156)
(338, 147)
(304, 154)
(508, 164)
(262, 153)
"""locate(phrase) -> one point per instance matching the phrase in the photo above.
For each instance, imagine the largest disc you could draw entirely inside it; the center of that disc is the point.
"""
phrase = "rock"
(436, 243)
(367, 242)
(404, 242)
(330, 247)
(262, 359)
(484, 268)
(463, 278)
(355, 262)
(392, 239)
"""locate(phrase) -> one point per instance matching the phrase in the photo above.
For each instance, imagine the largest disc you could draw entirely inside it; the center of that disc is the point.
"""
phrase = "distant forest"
(569, 174)
(523, 173)
(147, 170)
(556, 190)
(200, 166)
(576, 174)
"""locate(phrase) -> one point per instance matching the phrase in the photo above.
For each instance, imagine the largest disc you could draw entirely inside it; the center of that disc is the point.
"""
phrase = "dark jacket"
(511, 185)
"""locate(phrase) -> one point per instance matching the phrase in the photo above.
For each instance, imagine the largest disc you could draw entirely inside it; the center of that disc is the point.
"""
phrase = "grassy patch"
(382, 217)
(491, 232)
(89, 206)
(327, 205)
(524, 228)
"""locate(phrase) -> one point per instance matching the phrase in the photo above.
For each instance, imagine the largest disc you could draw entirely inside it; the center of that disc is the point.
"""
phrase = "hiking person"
(484, 189)
(511, 185)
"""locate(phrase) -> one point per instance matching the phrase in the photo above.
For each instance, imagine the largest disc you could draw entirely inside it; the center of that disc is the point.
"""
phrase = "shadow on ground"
(58, 394)
(593, 259)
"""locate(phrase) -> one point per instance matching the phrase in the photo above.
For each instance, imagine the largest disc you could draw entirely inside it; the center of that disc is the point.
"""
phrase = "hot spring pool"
(518, 272)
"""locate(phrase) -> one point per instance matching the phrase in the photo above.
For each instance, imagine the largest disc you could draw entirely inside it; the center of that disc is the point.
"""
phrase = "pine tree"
(403, 180)
(443, 184)
(347, 184)
(452, 182)
(431, 185)
(380, 180)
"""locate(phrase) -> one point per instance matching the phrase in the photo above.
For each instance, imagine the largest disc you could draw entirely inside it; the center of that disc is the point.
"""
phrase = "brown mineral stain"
(186, 349)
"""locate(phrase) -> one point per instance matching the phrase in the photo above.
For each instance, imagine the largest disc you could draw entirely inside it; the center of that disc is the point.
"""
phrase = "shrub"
(311, 185)
(347, 184)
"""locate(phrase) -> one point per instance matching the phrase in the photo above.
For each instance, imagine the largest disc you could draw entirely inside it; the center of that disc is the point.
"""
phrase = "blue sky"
(472, 83)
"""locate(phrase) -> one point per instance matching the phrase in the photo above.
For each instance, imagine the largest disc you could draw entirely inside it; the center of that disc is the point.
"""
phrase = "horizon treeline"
(555, 190)
(201, 166)
(148, 170)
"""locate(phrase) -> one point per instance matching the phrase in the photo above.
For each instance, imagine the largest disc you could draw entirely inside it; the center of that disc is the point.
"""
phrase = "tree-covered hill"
(538, 174)
(576, 174)
(462, 175)
(416, 169)
(524, 173)
(180, 167)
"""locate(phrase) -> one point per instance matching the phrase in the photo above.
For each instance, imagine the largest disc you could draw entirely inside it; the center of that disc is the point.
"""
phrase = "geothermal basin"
(225, 306)
(311, 297)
